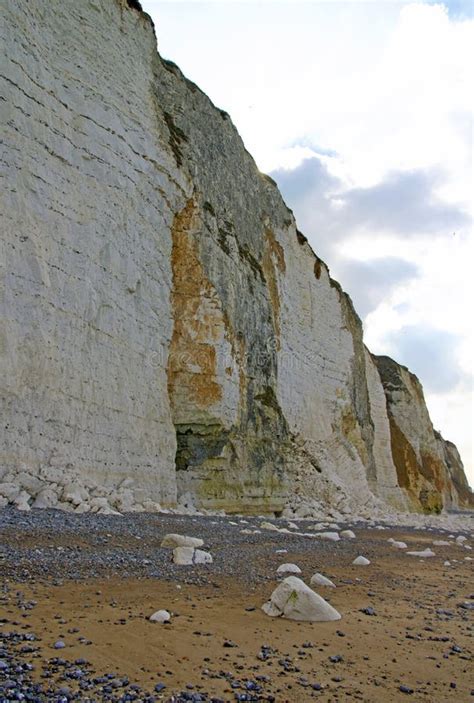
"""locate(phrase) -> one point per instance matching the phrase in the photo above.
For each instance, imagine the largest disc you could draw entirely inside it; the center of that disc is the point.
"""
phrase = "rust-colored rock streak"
(198, 319)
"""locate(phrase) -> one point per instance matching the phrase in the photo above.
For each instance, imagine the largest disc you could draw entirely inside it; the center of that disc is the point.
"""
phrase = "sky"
(362, 112)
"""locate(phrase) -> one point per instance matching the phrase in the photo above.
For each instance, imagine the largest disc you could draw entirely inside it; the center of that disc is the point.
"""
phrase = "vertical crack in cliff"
(273, 255)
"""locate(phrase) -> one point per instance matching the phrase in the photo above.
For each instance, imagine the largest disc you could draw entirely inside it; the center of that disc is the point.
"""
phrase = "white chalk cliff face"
(166, 329)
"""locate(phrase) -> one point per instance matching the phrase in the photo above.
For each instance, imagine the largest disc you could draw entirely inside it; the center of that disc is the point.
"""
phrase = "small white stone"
(320, 580)
(201, 557)
(348, 533)
(288, 569)
(399, 545)
(460, 539)
(281, 551)
(160, 616)
(441, 543)
(447, 563)
(361, 561)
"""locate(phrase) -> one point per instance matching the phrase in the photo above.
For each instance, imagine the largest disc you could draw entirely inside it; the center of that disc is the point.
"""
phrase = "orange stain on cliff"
(273, 254)
(198, 318)
(411, 475)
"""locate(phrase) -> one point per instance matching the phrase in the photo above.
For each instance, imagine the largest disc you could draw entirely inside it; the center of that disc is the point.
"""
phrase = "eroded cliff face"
(167, 330)
(429, 470)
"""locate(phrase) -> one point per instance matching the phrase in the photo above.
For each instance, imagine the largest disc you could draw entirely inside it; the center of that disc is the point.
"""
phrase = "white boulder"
(349, 534)
(320, 580)
(361, 561)
(294, 600)
(46, 498)
(22, 501)
(151, 506)
(201, 557)
(160, 616)
(174, 540)
(184, 556)
(425, 553)
(331, 536)
(288, 569)
(74, 493)
(9, 490)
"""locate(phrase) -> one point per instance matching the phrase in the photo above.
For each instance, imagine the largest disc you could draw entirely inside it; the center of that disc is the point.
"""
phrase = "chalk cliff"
(167, 332)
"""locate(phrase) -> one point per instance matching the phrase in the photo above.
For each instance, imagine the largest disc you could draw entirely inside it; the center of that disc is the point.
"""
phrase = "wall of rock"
(428, 468)
(167, 332)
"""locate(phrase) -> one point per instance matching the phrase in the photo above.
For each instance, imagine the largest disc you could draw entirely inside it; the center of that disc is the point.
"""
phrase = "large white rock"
(288, 569)
(361, 561)
(320, 580)
(175, 540)
(349, 534)
(160, 616)
(294, 600)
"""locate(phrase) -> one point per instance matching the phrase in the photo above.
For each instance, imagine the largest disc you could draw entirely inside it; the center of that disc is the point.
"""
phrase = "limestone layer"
(167, 332)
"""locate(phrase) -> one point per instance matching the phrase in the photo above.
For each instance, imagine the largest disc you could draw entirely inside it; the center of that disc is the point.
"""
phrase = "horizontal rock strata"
(168, 334)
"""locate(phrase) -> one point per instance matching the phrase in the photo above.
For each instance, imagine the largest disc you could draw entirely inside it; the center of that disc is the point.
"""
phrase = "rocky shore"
(78, 592)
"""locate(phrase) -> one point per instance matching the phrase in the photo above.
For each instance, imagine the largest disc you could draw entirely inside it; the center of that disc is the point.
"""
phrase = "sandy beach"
(406, 627)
